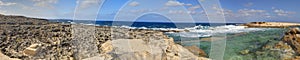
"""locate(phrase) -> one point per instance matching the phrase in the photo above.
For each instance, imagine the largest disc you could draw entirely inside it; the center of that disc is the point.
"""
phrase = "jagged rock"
(292, 38)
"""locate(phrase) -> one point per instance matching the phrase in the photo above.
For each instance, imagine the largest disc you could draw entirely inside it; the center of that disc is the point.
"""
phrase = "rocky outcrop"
(137, 49)
(270, 25)
(292, 37)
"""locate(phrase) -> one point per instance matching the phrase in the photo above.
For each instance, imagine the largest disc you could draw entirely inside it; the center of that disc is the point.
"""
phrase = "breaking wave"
(203, 31)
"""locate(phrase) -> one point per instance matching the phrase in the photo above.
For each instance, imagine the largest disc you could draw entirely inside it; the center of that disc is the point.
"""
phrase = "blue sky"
(180, 10)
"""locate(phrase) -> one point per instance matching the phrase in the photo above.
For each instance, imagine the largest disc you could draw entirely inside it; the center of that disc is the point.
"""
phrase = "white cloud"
(28, 8)
(248, 4)
(88, 3)
(174, 3)
(281, 12)
(250, 12)
(185, 12)
(188, 4)
(194, 7)
(45, 3)
(139, 11)
(134, 3)
(6, 3)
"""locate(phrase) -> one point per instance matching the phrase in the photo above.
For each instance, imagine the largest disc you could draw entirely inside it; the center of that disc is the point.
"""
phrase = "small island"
(270, 24)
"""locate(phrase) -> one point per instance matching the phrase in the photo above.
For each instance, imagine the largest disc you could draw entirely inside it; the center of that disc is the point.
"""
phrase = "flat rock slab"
(4, 57)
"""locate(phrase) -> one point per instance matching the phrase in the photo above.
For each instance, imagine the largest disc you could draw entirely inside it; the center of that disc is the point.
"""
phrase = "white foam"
(198, 31)
(205, 31)
(226, 29)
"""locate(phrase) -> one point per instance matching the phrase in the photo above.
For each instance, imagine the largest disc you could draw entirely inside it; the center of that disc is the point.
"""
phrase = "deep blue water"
(145, 24)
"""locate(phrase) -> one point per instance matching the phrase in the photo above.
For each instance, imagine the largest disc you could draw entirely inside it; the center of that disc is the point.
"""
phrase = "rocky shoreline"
(270, 25)
(31, 38)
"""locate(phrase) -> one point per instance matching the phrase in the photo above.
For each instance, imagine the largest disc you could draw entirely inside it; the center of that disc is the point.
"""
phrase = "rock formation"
(292, 37)
(270, 25)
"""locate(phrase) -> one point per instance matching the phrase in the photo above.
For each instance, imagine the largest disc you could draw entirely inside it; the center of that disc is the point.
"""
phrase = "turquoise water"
(235, 43)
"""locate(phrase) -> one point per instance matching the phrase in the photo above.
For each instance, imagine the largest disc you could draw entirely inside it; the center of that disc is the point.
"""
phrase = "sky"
(155, 10)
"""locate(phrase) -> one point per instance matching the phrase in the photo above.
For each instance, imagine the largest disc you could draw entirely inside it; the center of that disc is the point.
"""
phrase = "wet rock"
(244, 52)
(196, 51)
(293, 39)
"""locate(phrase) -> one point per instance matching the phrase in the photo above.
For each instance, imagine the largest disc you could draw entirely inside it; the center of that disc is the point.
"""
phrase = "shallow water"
(238, 42)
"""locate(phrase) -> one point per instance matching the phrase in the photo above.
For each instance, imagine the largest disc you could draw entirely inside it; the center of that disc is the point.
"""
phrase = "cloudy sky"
(154, 10)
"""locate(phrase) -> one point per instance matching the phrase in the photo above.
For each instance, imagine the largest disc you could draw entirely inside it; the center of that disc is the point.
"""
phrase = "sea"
(192, 30)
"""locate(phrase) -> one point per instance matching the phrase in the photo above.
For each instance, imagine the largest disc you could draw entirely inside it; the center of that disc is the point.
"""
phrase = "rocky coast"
(23, 38)
(270, 24)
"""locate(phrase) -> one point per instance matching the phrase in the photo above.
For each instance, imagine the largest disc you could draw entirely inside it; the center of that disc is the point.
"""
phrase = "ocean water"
(192, 30)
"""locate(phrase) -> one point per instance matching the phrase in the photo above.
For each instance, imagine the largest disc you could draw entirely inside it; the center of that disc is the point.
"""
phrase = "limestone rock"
(4, 57)
(137, 49)
(270, 24)
(292, 38)
(31, 50)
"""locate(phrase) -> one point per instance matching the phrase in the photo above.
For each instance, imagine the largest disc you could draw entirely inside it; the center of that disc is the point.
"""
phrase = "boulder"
(31, 50)
(292, 38)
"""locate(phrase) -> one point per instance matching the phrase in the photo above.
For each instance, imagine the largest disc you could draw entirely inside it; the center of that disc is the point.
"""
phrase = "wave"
(204, 31)
(197, 31)
(200, 31)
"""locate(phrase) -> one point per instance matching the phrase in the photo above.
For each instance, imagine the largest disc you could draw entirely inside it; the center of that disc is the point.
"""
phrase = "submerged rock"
(286, 49)
(244, 52)
(196, 51)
